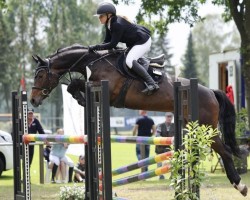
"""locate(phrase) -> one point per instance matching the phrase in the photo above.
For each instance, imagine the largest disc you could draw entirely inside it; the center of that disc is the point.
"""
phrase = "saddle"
(154, 66)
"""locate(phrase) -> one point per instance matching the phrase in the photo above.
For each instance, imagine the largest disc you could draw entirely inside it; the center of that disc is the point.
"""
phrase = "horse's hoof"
(244, 191)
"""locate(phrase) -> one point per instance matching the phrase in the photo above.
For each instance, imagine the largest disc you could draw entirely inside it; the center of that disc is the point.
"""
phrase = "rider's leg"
(70, 163)
(54, 163)
(134, 54)
(150, 83)
(54, 170)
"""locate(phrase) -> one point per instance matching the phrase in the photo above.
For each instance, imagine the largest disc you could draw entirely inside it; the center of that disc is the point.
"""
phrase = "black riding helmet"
(105, 7)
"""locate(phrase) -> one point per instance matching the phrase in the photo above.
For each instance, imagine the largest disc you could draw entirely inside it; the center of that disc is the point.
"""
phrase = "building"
(224, 70)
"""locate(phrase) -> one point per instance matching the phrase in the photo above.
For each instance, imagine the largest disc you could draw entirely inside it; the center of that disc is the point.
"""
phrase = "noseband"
(46, 90)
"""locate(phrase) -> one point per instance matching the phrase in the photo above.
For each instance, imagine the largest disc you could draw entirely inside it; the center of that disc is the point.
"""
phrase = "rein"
(72, 66)
(101, 57)
(46, 90)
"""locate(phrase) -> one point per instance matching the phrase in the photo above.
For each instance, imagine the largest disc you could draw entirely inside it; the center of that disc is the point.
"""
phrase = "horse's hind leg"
(231, 172)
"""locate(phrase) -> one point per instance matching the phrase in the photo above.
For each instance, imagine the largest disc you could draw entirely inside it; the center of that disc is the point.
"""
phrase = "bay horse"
(214, 106)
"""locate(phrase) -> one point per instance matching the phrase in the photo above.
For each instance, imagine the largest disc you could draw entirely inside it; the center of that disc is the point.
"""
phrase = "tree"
(210, 36)
(68, 23)
(30, 27)
(2, 4)
(187, 11)
(189, 61)
(8, 59)
(160, 44)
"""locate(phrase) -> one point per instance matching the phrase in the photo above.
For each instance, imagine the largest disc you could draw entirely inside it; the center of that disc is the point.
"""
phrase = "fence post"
(99, 149)
(185, 108)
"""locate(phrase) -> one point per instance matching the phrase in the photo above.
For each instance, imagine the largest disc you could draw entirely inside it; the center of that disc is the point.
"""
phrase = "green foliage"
(160, 45)
(2, 4)
(40, 27)
(165, 12)
(8, 60)
(196, 147)
(209, 36)
(189, 60)
(242, 122)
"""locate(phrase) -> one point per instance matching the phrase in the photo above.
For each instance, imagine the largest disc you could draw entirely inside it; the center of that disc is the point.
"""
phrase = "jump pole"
(71, 139)
(80, 139)
(142, 176)
(97, 127)
(142, 140)
(142, 163)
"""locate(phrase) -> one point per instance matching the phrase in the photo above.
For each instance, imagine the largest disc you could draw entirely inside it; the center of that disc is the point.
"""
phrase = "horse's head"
(45, 81)
(75, 58)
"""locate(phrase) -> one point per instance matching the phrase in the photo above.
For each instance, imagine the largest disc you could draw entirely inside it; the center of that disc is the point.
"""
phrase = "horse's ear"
(35, 58)
(39, 59)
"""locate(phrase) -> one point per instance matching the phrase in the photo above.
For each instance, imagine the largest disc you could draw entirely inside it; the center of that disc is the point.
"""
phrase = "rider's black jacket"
(121, 30)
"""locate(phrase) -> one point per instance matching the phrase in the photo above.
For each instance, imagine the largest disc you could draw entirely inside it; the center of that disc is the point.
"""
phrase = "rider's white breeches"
(64, 159)
(137, 52)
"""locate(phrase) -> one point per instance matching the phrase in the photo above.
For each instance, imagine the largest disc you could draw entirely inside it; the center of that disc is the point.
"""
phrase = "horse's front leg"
(80, 97)
(77, 89)
(232, 174)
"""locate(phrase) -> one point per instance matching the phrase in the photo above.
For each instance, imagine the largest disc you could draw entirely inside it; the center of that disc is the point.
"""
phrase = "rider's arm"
(117, 31)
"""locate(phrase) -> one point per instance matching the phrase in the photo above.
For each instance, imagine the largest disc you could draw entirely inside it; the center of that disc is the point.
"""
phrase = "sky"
(178, 32)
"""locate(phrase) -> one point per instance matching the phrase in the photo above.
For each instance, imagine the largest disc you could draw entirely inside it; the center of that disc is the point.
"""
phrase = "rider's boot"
(151, 85)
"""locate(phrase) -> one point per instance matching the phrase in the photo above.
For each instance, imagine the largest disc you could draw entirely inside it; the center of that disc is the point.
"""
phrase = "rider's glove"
(93, 47)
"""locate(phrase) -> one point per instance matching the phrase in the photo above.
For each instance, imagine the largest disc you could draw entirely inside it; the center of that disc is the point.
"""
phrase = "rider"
(136, 37)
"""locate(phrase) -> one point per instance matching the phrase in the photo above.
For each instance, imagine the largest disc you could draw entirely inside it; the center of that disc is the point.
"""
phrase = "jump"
(214, 106)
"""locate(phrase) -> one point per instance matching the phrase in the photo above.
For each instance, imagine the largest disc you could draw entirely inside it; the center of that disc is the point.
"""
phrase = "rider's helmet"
(105, 7)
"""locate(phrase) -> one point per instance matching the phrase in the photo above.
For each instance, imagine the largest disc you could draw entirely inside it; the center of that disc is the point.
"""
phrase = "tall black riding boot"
(54, 169)
(70, 174)
(150, 83)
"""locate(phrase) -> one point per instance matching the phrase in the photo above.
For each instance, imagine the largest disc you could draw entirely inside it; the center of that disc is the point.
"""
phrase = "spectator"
(166, 129)
(80, 170)
(57, 157)
(144, 127)
(34, 126)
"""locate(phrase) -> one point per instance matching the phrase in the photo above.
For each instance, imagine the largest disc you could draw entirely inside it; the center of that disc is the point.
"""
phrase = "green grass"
(215, 187)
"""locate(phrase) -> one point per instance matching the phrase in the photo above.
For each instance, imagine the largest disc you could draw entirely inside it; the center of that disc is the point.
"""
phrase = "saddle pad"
(126, 71)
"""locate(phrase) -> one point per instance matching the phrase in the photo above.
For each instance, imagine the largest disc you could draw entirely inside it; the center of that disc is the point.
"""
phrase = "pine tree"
(189, 70)
(160, 45)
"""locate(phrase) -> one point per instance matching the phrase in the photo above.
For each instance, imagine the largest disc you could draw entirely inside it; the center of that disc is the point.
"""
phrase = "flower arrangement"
(72, 193)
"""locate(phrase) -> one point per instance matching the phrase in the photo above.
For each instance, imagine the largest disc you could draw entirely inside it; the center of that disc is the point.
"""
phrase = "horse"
(214, 106)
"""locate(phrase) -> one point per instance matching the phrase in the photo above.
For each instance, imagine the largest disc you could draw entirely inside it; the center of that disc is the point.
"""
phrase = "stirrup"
(150, 89)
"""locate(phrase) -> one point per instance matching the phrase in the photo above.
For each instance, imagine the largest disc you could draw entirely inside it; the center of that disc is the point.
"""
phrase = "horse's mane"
(79, 46)
(63, 49)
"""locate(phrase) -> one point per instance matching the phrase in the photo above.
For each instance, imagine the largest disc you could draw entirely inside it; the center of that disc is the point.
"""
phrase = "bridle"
(46, 90)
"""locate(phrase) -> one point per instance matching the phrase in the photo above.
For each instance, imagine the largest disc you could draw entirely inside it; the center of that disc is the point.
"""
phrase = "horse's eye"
(40, 76)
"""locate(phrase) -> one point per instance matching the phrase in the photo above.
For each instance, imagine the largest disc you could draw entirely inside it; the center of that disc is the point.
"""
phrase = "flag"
(22, 83)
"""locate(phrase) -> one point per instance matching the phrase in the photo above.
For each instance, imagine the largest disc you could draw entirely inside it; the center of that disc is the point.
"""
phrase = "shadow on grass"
(6, 178)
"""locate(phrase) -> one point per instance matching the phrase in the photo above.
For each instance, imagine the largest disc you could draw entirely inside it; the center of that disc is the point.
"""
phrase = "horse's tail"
(227, 120)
